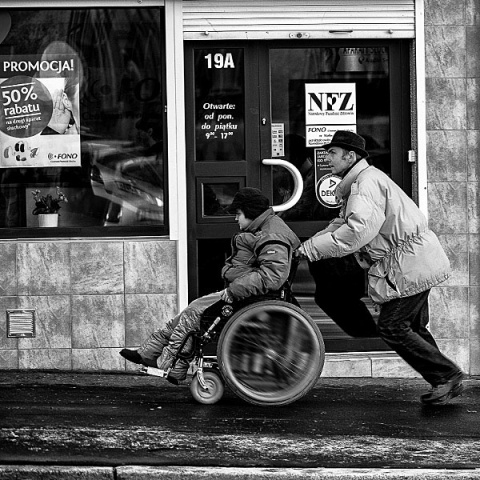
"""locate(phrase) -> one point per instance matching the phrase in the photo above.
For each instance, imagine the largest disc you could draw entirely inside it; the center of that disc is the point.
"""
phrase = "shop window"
(82, 112)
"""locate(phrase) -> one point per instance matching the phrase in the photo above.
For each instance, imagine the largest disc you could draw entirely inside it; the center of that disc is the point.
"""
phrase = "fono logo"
(63, 156)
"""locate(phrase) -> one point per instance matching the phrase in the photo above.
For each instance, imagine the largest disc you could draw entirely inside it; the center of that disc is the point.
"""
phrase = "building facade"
(149, 115)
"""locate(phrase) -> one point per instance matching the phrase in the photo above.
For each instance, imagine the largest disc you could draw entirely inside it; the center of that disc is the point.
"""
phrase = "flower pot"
(48, 219)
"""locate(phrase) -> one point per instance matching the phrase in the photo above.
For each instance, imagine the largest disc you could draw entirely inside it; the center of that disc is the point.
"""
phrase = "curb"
(133, 472)
(47, 472)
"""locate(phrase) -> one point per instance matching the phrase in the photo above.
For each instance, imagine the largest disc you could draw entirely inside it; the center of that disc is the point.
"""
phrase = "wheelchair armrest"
(286, 293)
(293, 269)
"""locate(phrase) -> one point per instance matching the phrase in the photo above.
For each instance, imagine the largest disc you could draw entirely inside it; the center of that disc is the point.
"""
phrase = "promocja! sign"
(39, 112)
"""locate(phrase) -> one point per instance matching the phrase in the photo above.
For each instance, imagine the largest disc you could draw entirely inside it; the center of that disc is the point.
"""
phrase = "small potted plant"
(47, 207)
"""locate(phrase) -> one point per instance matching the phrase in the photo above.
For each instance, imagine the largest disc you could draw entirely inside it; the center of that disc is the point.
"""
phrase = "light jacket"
(261, 257)
(388, 234)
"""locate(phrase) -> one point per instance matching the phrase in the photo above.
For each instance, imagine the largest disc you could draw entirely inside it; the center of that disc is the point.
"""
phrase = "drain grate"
(20, 323)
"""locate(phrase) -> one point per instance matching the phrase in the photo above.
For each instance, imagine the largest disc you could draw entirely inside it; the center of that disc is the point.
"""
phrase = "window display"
(82, 109)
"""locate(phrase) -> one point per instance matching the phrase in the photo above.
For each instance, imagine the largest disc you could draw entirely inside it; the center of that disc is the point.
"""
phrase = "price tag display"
(26, 106)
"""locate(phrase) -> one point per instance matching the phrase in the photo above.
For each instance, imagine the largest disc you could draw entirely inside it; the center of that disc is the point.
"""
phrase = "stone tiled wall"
(91, 298)
(94, 297)
(452, 37)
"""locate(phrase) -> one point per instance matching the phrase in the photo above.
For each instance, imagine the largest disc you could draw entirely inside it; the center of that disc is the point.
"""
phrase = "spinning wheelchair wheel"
(215, 388)
(271, 353)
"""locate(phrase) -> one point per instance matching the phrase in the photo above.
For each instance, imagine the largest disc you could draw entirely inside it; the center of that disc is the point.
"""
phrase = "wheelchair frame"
(217, 324)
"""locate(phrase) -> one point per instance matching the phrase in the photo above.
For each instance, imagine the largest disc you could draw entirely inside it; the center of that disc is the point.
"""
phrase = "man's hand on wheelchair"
(225, 296)
(300, 253)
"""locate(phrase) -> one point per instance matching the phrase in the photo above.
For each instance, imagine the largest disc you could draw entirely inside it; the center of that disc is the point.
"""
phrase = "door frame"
(246, 168)
(258, 141)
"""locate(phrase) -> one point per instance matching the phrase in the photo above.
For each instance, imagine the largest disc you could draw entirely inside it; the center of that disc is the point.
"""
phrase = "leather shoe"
(172, 380)
(149, 363)
(132, 356)
(441, 394)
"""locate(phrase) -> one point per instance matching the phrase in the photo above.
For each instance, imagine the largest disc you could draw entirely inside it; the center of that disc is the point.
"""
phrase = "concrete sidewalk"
(343, 421)
(21, 472)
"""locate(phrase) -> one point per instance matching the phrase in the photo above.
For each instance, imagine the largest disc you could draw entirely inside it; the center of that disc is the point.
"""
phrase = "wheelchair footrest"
(157, 372)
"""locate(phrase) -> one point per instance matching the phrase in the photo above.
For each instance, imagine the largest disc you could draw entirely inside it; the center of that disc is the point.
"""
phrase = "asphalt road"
(123, 419)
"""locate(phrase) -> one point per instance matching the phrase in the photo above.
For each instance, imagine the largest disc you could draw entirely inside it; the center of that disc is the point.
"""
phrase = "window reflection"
(290, 70)
(120, 176)
(217, 197)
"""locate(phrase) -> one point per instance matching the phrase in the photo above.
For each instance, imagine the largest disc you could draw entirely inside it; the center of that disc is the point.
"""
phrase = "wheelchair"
(266, 350)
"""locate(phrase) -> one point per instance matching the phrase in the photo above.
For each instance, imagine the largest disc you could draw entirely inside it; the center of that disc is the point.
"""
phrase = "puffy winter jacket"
(388, 234)
(261, 257)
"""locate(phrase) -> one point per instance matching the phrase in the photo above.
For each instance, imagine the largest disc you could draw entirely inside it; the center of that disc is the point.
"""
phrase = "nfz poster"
(329, 107)
(39, 111)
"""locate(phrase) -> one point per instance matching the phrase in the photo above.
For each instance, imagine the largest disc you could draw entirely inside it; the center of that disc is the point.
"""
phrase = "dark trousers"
(339, 287)
(402, 324)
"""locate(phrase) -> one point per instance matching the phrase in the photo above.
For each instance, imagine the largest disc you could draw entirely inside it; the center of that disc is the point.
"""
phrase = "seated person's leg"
(152, 348)
(179, 371)
(188, 321)
(340, 285)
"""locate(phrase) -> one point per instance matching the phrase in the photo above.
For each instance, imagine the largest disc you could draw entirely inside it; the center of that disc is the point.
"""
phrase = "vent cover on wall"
(20, 323)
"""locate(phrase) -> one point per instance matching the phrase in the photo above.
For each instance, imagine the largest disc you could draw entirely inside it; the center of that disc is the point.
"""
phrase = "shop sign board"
(328, 107)
(39, 111)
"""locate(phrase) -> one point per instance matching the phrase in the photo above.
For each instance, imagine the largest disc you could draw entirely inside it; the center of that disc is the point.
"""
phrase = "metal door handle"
(297, 183)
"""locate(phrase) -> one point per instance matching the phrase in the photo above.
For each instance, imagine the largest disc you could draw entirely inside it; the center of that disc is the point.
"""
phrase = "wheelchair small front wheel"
(215, 388)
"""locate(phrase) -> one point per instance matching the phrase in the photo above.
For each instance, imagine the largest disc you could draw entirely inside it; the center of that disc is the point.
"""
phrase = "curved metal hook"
(297, 183)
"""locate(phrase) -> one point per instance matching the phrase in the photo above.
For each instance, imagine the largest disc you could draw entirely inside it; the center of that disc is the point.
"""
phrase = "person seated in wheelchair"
(260, 263)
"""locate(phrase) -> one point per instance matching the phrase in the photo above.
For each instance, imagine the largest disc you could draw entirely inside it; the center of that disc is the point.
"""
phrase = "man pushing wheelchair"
(379, 229)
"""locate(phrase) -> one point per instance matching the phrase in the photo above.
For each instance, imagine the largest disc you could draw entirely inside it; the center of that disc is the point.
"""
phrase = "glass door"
(313, 91)
(223, 150)
(251, 104)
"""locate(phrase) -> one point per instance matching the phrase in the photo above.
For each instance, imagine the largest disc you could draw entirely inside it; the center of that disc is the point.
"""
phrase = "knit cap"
(251, 201)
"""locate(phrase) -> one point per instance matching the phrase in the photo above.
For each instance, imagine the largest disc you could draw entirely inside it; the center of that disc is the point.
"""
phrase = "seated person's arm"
(271, 271)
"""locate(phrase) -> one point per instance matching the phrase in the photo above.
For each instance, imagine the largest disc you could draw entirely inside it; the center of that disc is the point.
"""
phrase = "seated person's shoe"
(132, 356)
(173, 377)
(178, 372)
(441, 394)
(149, 363)
(172, 380)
